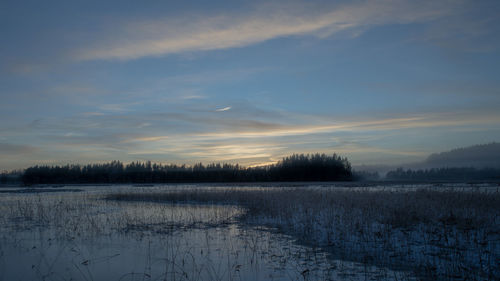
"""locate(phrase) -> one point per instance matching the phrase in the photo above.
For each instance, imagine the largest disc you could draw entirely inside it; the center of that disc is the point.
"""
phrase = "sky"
(381, 82)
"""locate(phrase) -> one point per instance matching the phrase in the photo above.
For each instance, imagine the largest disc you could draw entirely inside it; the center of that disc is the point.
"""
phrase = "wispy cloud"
(209, 136)
(146, 139)
(16, 149)
(223, 109)
(387, 124)
(364, 149)
(118, 107)
(163, 37)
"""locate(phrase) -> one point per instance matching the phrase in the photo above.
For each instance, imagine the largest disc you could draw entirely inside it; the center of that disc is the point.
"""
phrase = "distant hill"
(478, 156)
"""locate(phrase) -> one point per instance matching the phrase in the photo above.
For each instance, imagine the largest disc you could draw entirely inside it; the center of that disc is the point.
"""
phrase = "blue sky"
(380, 82)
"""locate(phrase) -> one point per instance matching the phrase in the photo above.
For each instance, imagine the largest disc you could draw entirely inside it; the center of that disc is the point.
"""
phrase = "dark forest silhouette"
(445, 174)
(12, 177)
(297, 167)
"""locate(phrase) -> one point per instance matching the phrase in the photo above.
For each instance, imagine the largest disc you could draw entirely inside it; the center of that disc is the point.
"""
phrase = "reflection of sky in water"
(73, 235)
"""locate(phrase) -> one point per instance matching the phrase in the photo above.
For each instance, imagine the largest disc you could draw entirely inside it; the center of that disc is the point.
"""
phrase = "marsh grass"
(445, 234)
(87, 215)
(81, 237)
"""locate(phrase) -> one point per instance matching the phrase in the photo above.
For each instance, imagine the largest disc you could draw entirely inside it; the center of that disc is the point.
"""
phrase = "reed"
(438, 234)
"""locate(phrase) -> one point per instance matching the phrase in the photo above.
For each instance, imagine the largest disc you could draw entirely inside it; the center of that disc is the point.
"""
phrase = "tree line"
(297, 167)
(12, 177)
(445, 174)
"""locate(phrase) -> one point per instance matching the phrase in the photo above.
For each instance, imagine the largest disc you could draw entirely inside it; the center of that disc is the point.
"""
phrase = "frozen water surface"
(80, 236)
